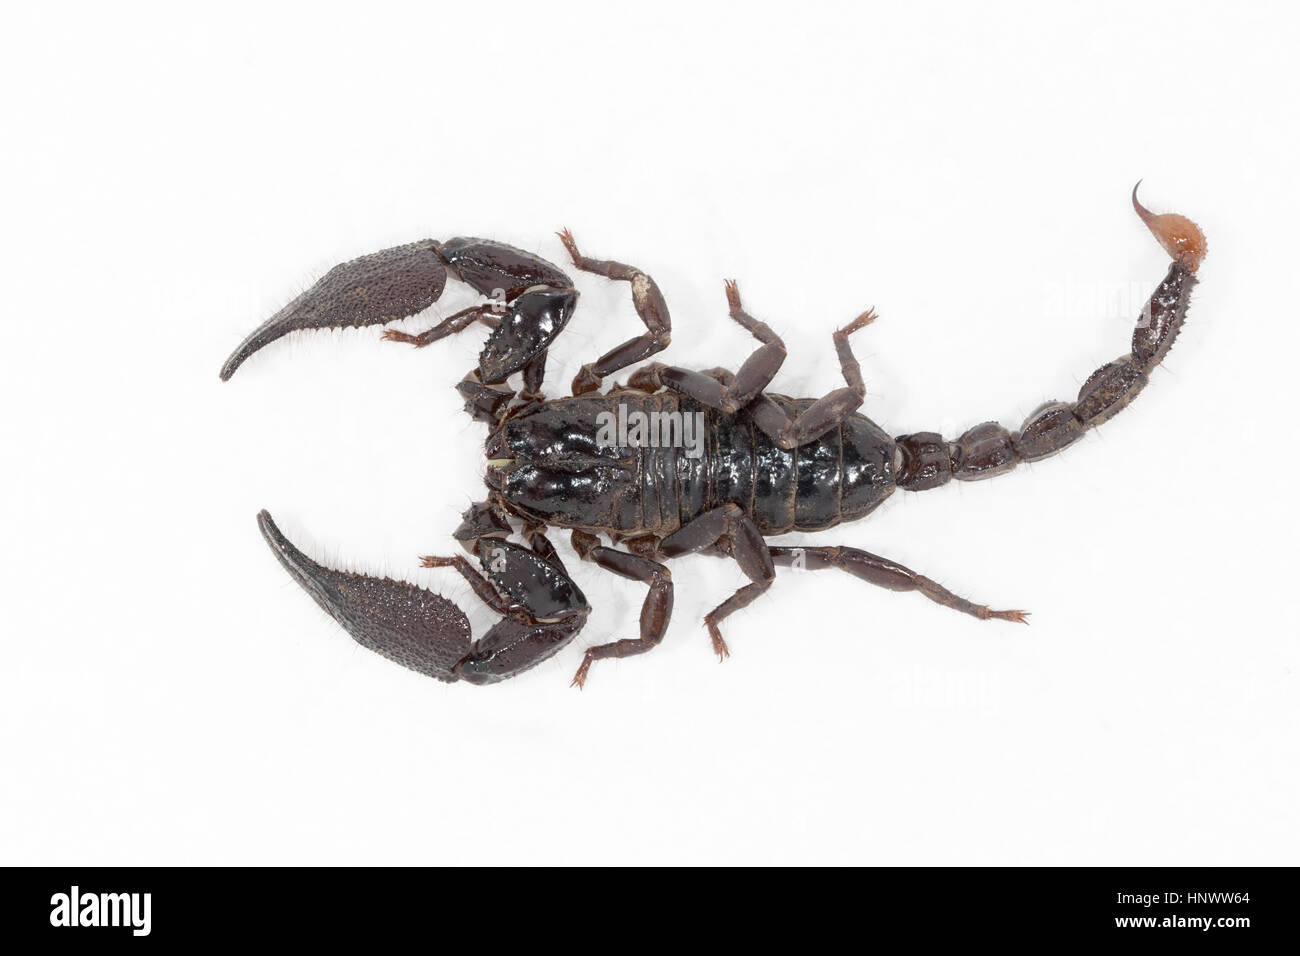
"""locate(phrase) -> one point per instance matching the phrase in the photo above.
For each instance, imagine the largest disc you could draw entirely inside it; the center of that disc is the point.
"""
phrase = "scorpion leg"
(650, 306)
(731, 393)
(885, 573)
(655, 611)
(646, 545)
(746, 545)
(720, 389)
(648, 378)
(829, 410)
(723, 375)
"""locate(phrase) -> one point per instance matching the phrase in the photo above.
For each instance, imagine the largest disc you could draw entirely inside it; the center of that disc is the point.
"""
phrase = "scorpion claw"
(535, 319)
(407, 624)
(374, 289)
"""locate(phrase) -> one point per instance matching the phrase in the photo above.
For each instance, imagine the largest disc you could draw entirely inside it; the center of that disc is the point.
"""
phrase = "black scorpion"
(762, 464)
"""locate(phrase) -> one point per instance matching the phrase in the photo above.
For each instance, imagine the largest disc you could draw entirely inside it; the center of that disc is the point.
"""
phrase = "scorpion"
(766, 464)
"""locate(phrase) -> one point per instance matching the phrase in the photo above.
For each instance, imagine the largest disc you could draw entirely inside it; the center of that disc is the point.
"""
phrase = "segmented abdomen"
(558, 465)
(843, 475)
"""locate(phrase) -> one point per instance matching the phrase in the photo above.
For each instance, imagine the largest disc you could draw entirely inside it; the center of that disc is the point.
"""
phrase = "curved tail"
(929, 460)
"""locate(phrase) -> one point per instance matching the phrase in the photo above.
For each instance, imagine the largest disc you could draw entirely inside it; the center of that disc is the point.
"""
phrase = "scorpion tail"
(381, 287)
(927, 460)
(407, 624)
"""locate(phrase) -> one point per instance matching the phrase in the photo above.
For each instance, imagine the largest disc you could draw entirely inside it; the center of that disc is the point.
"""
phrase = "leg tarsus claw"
(570, 244)
(1018, 617)
(580, 678)
(719, 644)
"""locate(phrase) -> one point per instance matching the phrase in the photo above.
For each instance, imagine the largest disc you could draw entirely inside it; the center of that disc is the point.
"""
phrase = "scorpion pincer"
(762, 464)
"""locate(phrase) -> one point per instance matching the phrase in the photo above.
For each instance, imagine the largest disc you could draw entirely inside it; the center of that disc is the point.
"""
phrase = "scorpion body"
(654, 490)
(714, 464)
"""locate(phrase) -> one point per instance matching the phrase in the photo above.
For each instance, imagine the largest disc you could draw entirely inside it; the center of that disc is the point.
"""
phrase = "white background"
(168, 695)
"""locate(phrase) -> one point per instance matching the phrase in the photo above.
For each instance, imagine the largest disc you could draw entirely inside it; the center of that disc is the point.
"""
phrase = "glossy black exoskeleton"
(675, 461)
